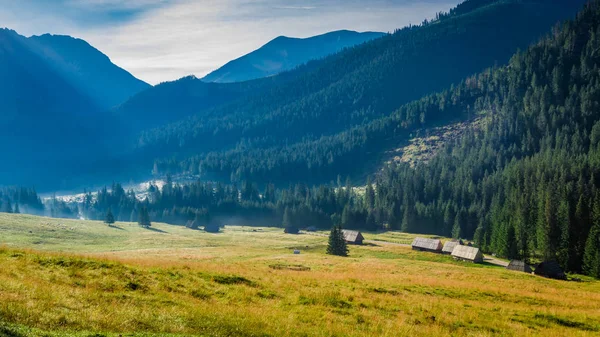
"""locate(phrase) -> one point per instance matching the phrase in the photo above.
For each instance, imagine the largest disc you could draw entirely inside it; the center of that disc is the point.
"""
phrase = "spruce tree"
(456, 229)
(144, 218)
(337, 244)
(288, 223)
(591, 257)
(512, 250)
(110, 218)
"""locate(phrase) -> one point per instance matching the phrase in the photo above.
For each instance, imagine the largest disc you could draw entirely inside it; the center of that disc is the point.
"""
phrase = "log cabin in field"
(353, 237)
(450, 245)
(466, 253)
(521, 266)
(550, 269)
(427, 245)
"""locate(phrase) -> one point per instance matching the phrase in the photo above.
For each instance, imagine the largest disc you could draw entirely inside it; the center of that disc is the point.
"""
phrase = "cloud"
(160, 40)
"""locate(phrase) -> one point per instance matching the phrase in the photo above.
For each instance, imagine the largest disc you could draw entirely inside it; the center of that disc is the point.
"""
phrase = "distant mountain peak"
(90, 70)
(285, 53)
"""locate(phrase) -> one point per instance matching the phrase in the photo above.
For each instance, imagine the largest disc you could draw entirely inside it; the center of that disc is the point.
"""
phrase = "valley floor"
(82, 278)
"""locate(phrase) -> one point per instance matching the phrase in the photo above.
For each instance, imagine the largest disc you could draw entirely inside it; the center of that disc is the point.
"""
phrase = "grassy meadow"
(83, 278)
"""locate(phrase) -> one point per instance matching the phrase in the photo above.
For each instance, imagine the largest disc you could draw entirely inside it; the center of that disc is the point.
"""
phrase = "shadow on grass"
(156, 230)
(116, 227)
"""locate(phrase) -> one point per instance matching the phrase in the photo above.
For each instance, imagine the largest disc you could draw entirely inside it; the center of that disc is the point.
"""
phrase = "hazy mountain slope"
(285, 53)
(50, 127)
(88, 69)
(352, 88)
(171, 101)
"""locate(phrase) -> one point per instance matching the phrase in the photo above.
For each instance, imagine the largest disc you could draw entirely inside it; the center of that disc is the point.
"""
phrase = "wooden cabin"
(450, 245)
(521, 266)
(550, 269)
(353, 237)
(427, 245)
(466, 253)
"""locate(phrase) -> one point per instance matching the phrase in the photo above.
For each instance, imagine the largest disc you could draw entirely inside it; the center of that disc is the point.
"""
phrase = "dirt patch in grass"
(232, 280)
(294, 267)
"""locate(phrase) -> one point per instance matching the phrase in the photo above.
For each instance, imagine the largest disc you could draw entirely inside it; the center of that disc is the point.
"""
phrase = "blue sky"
(162, 40)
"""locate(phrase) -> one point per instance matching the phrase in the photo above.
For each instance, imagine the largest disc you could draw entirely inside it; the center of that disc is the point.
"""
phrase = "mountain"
(51, 120)
(270, 136)
(285, 53)
(87, 69)
(172, 101)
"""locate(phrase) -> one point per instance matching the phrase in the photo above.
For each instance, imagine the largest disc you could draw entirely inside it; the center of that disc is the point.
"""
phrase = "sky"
(163, 40)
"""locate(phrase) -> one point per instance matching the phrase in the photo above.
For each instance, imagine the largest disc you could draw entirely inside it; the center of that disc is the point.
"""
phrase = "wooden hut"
(427, 245)
(466, 253)
(550, 269)
(450, 245)
(353, 237)
(521, 266)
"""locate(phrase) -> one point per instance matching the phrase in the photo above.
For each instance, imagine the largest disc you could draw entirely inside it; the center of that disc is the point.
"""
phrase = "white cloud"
(168, 40)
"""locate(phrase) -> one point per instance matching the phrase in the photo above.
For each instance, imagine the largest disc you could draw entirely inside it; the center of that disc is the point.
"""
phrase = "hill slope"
(285, 53)
(53, 93)
(350, 89)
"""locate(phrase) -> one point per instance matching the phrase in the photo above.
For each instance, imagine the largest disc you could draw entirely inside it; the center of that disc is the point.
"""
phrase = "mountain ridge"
(90, 69)
(286, 53)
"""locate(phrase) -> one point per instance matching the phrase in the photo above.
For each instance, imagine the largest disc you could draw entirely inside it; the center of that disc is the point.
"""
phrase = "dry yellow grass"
(246, 283)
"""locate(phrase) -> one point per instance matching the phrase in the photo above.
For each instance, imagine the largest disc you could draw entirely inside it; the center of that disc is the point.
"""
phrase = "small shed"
(427, 245)
(521, 266)
(466, 253)
(353, 237)
(450, 245)
(550, 269)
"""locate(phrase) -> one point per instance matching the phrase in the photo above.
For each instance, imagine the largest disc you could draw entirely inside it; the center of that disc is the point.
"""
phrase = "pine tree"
(591, 257)
(369, 195)
(288, 223)
(144, 218)
(110, 218)
(371, 224)
(512, 250)
(456, 229)
(337, 245)
(17, 209)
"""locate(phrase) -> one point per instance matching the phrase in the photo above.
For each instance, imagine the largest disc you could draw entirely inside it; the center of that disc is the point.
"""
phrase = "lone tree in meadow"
(337, 243)
(144, 218)
(288, 223)
(110, 218)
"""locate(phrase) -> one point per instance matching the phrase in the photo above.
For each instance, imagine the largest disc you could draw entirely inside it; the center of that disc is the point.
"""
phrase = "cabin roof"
(352, 236)
(467, 253)
(429, 244)
(519, 266)
(550, 269)
(450, 245)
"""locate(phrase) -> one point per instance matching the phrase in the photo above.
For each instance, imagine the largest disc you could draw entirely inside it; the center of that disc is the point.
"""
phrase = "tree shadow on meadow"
(116, 227)
(156, 230)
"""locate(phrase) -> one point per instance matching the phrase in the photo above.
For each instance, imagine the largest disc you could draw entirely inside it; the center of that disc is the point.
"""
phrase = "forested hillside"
(528, 183)
(172, 101)
(285, 53)
(268, 135)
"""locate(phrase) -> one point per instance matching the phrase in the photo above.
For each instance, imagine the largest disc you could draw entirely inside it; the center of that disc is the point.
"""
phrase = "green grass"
(86, 279)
